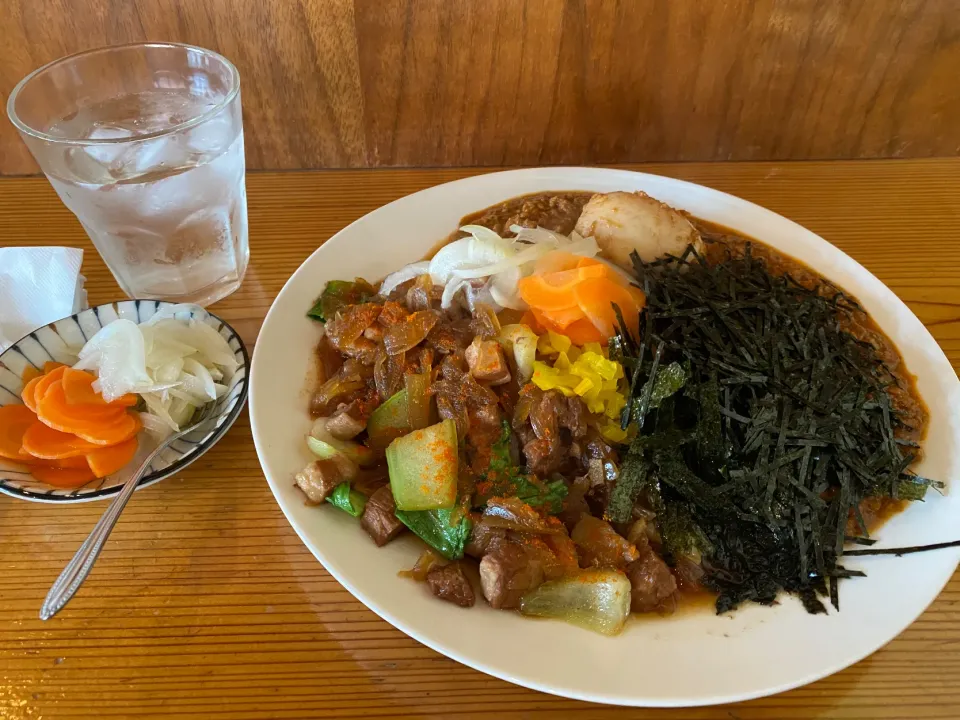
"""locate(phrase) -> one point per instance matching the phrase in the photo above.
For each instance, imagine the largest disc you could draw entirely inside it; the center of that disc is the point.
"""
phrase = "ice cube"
(107, 154)
(213, 136)
(145, 156)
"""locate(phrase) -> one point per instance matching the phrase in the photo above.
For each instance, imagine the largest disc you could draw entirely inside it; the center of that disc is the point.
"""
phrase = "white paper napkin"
(37, 286)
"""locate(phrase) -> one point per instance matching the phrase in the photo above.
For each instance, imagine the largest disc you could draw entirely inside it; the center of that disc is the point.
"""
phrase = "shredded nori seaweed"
(784, 425)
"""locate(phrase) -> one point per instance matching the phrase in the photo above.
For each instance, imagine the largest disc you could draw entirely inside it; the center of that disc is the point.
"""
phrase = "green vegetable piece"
(334, 296)
(326, 448)
(446, 531)
(914, 488)
(669, 380)
(504, 479)
(417, 386)
(322, 449)
(549, 495)
(347, 499)
(681, 535)
(597, 600)
(709, 425)
(633, 476)
(423, 468)
(389, 421)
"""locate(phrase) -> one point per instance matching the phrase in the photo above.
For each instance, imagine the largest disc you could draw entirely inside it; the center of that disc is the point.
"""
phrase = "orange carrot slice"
(596, 297)
(14, 421)
(30, 373)
(553, 291)
(53, 411)
(562, 319)
(582, 332)
(107, 460)
(63, 477)
(46, 381)
(71, 463)
(50, 366)
(28, 393)
(538, 292)
(78, 390)
(45, 442)
(555, 261)
(125, 429)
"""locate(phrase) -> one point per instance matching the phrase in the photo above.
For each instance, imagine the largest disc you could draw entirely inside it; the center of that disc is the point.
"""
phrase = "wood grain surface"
(372, 83)
(206, 604)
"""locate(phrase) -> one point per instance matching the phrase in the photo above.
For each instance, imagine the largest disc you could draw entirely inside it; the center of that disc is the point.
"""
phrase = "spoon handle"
(79, 567)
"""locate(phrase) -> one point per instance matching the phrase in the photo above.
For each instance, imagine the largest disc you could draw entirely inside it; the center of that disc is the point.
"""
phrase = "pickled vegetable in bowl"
(104, 403)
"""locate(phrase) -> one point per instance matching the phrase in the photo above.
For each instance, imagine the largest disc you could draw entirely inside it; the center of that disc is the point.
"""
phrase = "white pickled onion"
(174, 364)
(155, 426)
(529, 254)
(393, 280)
(539, 235)
(451, 256)
(483, 234)
(503, 289)
(481, 294)
(117, 352)
(449, 292)
(171, 311)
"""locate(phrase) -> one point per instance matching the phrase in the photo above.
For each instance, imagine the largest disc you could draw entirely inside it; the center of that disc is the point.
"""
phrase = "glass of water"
(144, 143)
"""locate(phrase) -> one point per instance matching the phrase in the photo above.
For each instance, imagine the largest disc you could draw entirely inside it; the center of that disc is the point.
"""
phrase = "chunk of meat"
(344, 426)
(507, 573)
(379, 519)
(350, 419)
(572, 415)
(540, 412)
(487, 363)
(543, 455)
(622, 222)
(483, 537)
(651, 582)
(602, 546)
(575, 505)
(318, 479)
(449, 583)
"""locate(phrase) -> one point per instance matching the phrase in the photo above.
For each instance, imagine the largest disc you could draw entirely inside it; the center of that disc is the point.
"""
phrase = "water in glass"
(168, 213)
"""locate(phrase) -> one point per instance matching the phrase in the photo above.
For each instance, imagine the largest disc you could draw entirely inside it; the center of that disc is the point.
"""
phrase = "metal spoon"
(79, 567)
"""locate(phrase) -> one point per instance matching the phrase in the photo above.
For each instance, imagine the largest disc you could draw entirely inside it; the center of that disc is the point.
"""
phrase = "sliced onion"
(539, 235)
(481, 294)
(529, 254)
(393, 280)
(171, 311)
(451, 256)
(450, 291)
(117, 352)
(158, 408)
(155, 426)
(585, 246)
(203, 375)
(484, 234)
(503, 288)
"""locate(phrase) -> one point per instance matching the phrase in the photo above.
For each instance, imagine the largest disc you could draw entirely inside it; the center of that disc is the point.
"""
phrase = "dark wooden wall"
(367, 83)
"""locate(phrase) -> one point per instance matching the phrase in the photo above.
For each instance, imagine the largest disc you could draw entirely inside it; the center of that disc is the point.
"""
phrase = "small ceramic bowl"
(54, 342)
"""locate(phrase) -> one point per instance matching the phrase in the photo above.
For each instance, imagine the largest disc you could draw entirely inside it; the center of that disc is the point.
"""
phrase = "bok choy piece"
(597, 600)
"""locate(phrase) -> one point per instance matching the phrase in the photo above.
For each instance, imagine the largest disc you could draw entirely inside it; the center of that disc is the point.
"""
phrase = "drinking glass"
(144, 144)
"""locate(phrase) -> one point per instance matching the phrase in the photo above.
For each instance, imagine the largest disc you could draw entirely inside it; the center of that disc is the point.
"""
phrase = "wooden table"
(205, 602)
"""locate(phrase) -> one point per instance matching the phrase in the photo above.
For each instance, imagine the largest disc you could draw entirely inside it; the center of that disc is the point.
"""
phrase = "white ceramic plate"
(692, 659)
